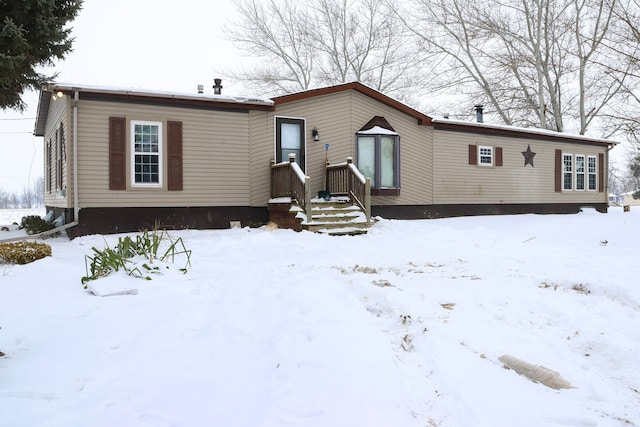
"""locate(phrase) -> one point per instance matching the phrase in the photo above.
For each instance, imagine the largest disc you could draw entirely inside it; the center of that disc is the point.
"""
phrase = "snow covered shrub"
(128, 253)
(23, 252)
(34, 224)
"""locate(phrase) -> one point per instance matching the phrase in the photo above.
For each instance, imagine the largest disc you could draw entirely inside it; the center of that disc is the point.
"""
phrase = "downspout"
(606, 172)
(76, 207)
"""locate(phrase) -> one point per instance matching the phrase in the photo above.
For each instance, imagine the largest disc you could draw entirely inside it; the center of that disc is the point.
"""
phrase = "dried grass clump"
(23, 252)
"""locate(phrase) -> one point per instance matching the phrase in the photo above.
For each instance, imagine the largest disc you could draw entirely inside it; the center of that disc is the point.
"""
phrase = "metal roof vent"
(217, 87)
(479, 110)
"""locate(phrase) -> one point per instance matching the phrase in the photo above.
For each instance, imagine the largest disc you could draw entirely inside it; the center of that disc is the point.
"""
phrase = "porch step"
(336, 217)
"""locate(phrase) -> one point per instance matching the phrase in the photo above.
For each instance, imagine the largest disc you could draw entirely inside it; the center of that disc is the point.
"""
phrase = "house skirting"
(445, 211)
(124, 220)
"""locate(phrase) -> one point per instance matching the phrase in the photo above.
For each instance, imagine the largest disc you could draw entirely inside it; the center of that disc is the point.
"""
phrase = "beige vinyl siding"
(59, 112)
(330, 115)
(457, 182)
(261, 133)
(215, 157)
(338, 116)
(628, 200)
(416, 151)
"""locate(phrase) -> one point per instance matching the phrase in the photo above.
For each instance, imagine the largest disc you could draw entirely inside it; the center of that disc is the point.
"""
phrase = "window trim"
(578, 173)
(496, 155)
(60, 157)
(160, 154)
(277, 143)
(491, 155)
(594, 173)
(565, 172)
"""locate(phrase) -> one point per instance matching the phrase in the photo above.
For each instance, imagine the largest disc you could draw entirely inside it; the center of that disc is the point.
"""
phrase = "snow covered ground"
(403, 326)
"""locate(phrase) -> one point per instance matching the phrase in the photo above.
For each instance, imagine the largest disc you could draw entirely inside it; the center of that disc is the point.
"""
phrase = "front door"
(290, 139)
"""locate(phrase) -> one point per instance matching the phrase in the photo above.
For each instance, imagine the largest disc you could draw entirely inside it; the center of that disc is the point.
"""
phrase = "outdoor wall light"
(316, 134)
(57, 95)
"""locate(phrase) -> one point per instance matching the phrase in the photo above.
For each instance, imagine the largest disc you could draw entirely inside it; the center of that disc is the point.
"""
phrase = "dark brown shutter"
(473, 154)
(558, 171)
(498, 156)
(174, 151)
(601, 172)
(49, 168)
(117, 153)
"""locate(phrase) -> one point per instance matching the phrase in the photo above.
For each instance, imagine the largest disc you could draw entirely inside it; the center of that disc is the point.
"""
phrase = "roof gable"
(43, 111)
(423, 119)
(377, 122)
(443, 124)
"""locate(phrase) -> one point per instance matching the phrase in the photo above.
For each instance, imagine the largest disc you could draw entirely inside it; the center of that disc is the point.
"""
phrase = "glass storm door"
(290, 139)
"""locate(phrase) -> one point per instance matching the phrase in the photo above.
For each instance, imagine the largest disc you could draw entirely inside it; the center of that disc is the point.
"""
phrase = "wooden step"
(338, 229)
(337, 217)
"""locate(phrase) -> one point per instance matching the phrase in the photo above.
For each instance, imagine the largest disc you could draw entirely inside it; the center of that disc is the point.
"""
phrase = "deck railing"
(288, 180)
(345, 179)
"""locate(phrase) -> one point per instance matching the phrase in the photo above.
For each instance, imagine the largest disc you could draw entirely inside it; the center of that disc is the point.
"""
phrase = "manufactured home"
(120, 159)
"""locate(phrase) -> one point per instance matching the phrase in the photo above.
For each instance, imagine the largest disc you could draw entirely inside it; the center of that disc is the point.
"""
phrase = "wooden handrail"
(345, 179)
(288, 180)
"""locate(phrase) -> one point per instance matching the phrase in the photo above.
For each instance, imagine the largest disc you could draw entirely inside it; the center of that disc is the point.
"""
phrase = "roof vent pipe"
(479, 109)
(217, 87)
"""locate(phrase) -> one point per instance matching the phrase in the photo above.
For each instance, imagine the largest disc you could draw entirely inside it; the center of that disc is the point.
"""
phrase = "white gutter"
(162, 94)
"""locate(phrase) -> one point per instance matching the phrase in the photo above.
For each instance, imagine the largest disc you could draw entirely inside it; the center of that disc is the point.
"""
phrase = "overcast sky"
(150, 44)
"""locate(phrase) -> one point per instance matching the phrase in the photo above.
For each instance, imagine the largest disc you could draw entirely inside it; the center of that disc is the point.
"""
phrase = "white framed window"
(580, 172)
(567, 171)
(592, 168)
(146, 154)
(485, 155)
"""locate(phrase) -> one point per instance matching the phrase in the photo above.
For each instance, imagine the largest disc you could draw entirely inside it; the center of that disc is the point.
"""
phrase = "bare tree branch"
(311, 43)
(536, 62)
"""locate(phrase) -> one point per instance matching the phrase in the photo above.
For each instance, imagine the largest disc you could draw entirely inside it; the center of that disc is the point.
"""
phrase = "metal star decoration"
(528, 156)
